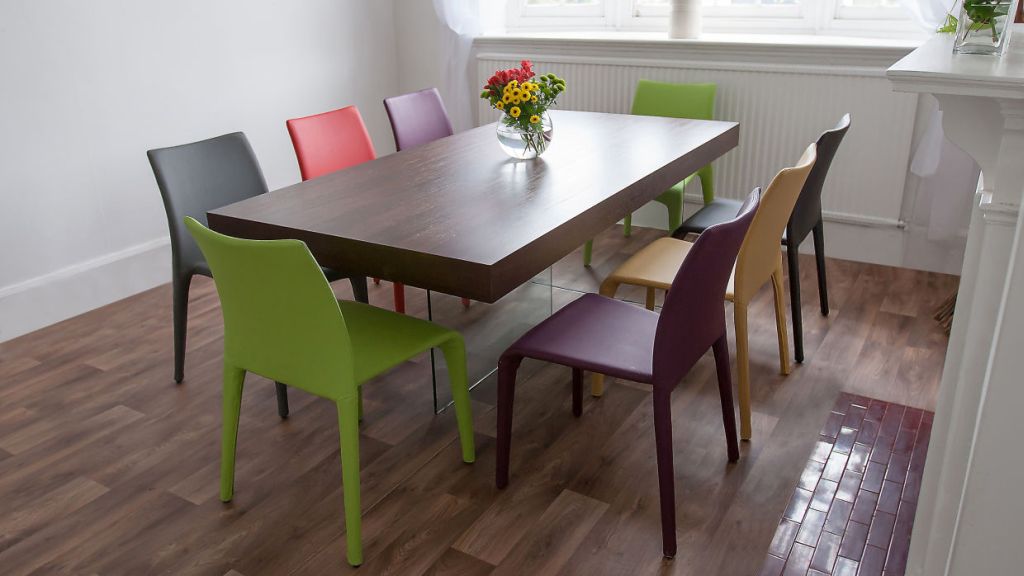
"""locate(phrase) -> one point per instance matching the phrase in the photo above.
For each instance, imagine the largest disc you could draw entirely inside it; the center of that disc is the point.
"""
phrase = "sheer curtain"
(463, 20)
(930, 14)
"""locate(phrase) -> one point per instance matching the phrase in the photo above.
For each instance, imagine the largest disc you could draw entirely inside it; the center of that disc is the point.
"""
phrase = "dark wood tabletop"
(459, 216)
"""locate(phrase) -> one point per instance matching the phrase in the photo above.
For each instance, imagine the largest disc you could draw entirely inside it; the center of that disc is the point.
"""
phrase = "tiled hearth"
(853, 509)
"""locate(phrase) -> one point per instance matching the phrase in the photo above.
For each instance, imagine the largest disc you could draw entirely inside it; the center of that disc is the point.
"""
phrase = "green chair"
(282, 321)
(696, 101)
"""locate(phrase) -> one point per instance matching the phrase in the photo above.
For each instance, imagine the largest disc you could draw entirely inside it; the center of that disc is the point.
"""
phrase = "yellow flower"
(506, 98)
(534, 119)
(499, 105)
(534, 99)
(514, 111)
(513, 83)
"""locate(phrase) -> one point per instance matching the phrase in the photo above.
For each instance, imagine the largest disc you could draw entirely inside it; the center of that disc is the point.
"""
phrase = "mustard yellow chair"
(759, 260)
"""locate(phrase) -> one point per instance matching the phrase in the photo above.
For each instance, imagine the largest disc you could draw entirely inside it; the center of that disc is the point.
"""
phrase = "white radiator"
(781, 108)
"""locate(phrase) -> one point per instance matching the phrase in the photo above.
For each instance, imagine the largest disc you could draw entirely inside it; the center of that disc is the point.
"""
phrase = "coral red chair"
(333, 141)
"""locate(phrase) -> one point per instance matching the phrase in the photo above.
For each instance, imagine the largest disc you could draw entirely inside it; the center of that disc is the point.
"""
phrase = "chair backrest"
(418, 118)
(281, 319)
(196, 178)
(761, 252)
(695, 101)
(807, 212)
(694, 313)
(331, 141)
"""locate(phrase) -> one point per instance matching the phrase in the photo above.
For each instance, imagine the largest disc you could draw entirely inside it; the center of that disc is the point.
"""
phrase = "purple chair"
(627, 341)
(416, 119)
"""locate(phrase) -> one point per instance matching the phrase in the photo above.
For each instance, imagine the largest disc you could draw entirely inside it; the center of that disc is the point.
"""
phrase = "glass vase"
(525, 143)
(984, 26)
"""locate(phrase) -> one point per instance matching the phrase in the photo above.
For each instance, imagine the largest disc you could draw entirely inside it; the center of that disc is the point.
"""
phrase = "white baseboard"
(70, 291)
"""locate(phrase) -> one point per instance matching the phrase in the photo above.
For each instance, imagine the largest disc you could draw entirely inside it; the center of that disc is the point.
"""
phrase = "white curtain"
(461, 18)
(929, 14)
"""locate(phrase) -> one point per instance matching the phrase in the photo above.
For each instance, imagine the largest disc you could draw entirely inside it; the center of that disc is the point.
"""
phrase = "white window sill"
(708, 39)
(871, 56)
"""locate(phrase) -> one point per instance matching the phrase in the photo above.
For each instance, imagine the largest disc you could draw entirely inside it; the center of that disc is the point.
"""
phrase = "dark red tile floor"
(853, 508)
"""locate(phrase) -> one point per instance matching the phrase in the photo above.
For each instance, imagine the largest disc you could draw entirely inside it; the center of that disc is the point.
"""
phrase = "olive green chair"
(282, 321)
(695, 101)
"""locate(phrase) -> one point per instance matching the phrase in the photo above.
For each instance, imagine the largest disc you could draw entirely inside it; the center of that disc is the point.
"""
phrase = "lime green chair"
(696, 101)
(282, 321)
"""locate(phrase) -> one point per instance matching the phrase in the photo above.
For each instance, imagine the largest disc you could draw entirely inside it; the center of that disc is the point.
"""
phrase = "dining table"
(459, 218)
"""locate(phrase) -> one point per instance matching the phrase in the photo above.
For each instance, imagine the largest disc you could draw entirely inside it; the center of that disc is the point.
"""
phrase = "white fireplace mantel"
(970, 509)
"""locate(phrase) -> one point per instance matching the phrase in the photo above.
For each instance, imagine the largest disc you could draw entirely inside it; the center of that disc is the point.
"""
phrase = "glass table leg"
(488, 329)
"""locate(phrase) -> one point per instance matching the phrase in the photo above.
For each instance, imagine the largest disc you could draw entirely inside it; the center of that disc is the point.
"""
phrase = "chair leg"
(399, 295)
(359, 290)
(508, 366)
(348, 427)
(743, 367)
(577, 392)
(282, 399)
(179, 288)
(649, 300)
(666, 471)
(231, 406)
(707, 183)
(819, 259)
(721, 350)
(674, 204)
(780, 319)
(608, 289)
(627, 225)
(454, 350)
(793, 257)
(588, 252)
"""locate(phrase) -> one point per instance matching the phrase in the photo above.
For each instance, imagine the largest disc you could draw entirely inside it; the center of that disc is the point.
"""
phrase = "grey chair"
(193, 179)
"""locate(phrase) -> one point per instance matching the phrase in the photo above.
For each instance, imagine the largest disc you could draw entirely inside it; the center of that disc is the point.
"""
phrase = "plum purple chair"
(626, 341)
(416, 119)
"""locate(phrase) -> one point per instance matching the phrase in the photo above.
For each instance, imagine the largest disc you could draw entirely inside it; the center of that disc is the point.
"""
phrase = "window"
(841, 17)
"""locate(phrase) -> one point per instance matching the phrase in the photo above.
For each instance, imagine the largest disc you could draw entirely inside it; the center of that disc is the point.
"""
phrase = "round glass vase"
(523, 144)
(984, 26)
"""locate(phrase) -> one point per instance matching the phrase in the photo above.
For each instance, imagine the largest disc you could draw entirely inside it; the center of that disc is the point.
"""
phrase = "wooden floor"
(107, 467)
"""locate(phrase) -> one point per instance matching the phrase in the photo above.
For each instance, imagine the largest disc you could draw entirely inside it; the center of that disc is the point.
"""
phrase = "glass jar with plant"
(983, 26)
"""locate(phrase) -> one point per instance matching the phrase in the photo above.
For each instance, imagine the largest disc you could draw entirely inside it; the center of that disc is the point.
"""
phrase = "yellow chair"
(759, 260)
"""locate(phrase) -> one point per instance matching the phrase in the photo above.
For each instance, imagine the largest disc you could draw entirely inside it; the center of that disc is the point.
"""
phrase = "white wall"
(87, 87)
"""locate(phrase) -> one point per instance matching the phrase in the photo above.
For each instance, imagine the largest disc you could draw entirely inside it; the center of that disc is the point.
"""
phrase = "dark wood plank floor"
(107, 467)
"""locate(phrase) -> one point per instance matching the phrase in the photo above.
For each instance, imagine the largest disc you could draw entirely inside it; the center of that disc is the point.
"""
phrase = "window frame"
(810, 17)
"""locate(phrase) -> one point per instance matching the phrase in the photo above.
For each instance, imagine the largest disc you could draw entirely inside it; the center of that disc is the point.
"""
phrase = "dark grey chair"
(193, 179)
(806, 219)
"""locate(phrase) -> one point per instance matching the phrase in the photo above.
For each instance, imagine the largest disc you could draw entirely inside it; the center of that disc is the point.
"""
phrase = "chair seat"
(597, 334)
(718, 211)
(406, 336)
(656, 265)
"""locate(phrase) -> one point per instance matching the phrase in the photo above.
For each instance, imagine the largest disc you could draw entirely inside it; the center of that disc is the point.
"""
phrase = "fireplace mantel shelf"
(933, 68)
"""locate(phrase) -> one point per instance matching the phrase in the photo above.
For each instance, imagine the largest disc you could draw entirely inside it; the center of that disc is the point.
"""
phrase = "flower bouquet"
(525, 129)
